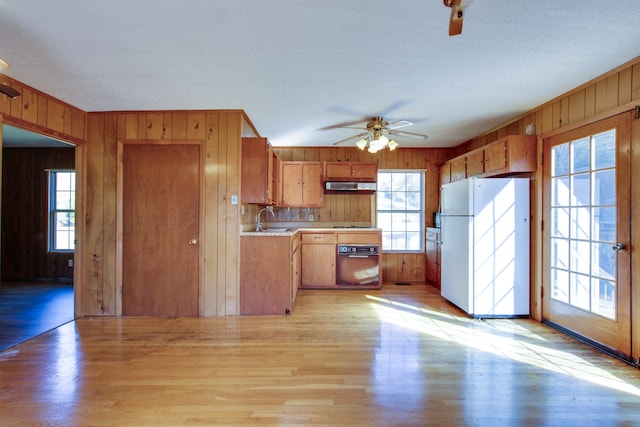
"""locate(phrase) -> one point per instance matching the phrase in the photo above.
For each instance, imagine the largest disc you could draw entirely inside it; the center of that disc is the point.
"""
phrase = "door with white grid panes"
(586, 283)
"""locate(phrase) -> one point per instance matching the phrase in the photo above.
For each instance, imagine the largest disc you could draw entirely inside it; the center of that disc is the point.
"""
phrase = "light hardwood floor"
(399, 356)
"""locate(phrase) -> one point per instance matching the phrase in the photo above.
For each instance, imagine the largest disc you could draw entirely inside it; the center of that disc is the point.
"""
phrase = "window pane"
(581, 190)
(64, 200)
(398, 241)
(604, 187)
(604, 261)
(580, 257)
(581, 223)
(414, 200)
(398, 201)
(414, 182)
(580, 155)
(580, 295)
(384, 221)
(560, 253)
(560, 160)
(413, 222)
(413, 241)
(560, 191)
(560, 285)
(560, 222)
(604, 298)
(604, 150)
(384, 181)
(604, 225)
(384, 200)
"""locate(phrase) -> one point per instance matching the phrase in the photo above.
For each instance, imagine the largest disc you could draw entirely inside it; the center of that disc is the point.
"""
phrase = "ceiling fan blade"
(456, 17)
(408, 134)
(398, 124)
(342, 141)
(350, 125)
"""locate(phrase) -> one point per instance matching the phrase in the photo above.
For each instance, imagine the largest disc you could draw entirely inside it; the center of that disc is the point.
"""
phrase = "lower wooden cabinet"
(433, 256)
(268, 274)
(318, 260)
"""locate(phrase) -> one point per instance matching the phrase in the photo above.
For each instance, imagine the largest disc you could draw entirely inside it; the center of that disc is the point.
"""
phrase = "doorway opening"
(36, 289)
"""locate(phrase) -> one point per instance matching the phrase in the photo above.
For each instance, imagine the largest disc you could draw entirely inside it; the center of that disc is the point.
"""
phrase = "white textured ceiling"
(299, 66)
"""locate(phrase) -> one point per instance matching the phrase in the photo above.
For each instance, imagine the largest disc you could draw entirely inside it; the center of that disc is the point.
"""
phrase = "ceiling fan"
(457, 15)
(378, 133)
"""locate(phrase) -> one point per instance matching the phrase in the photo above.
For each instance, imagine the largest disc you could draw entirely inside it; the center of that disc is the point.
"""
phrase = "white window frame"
(386, 233)
(54, 210)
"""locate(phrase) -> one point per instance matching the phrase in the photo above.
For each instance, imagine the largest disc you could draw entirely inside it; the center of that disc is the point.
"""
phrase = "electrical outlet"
(70, 263)
(310, 217)
(234, 199)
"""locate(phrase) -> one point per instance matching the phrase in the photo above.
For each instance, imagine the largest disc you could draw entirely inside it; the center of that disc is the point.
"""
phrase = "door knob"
(620, 247)
(193, 242)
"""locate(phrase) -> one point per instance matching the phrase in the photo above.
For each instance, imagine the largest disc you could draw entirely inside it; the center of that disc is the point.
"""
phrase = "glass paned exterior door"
(583, 223)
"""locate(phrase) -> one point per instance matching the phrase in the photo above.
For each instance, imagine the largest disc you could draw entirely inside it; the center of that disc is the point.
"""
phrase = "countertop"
(292, 231)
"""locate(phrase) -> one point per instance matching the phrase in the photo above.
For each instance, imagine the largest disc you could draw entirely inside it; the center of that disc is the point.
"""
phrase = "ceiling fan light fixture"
(392, 145)
(362, 143)
(4, 65)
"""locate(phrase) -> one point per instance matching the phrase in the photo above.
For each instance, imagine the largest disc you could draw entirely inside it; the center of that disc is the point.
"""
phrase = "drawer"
(433, 235)
(318, 237)
(360, 238)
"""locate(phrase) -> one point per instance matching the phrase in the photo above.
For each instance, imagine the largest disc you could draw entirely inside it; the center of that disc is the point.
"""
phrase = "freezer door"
(456, 269)
(455, 198)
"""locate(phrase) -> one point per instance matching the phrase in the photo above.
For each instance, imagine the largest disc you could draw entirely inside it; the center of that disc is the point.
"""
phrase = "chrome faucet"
(259, 223)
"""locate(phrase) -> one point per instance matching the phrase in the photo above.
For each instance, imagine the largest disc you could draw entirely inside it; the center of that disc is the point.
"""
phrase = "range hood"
(341, 186)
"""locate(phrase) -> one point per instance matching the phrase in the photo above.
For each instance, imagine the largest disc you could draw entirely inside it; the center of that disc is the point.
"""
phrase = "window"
(400, 212)
(62, 216)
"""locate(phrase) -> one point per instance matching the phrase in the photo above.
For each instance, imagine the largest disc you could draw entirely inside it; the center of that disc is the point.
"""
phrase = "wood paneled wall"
(41, 113)
(605, 96)
(341, 208)
(24, 215)
(221, 133)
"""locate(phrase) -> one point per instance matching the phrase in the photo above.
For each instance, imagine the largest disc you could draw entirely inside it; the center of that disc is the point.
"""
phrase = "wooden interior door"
(160, 230)
(587, 236)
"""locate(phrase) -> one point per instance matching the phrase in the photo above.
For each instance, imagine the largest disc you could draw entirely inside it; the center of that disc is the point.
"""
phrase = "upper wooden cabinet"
(301, 185)
(259, 172)
(508, 155)
(351, 171)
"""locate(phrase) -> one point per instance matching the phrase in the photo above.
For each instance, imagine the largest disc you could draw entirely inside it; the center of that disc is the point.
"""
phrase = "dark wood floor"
(28, 309)
(399, 356)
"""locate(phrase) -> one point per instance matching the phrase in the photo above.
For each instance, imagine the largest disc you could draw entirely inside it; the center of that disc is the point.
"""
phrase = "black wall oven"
(358, 265)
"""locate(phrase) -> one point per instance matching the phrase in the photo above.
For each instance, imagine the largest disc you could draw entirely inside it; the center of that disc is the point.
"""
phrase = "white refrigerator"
(484, 232)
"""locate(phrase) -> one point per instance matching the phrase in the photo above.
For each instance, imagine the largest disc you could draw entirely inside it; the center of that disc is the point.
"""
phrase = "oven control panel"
(357, 249)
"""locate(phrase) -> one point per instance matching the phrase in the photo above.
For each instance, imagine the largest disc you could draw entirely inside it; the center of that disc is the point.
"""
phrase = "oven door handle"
(358, 256)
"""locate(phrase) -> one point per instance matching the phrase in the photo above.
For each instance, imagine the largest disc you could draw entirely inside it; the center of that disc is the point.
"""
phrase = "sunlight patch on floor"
(521, 348)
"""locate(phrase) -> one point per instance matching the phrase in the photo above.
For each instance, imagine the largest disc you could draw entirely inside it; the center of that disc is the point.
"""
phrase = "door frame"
(625, 308)
(120, 211)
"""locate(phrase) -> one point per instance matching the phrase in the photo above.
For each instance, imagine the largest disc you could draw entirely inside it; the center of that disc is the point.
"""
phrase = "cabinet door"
(272, 176)
(255, 171)
(364, 171)
(296, 272)
(318, 265)
(337, 171)
(445, 173)
(495, 156)
(475, 163)
(291, 184)
(458, 169)
(312, 191)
